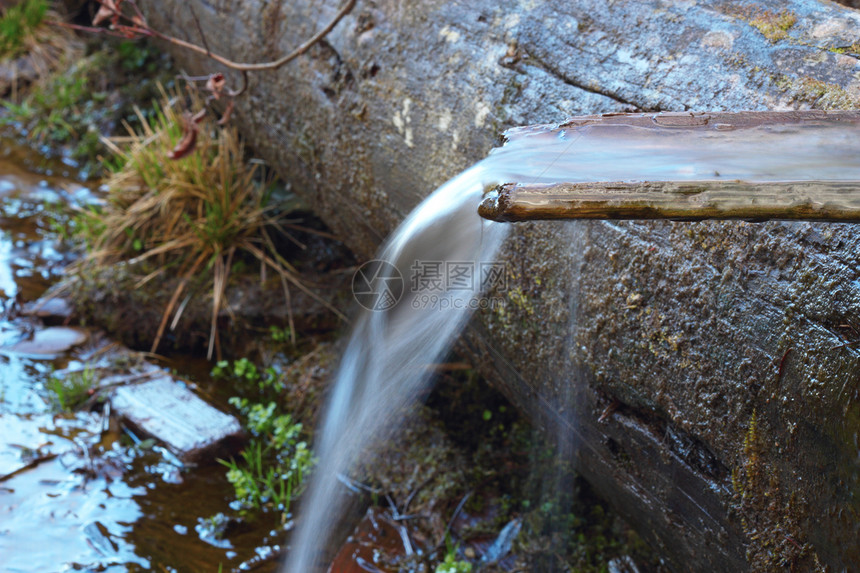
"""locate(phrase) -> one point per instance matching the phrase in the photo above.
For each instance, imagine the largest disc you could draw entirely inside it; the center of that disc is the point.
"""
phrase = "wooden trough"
(828, 191)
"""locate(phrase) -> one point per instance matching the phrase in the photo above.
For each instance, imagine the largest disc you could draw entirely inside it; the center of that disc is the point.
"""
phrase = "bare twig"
(142, 29)
(199, 29)
(29, 465)
(135, 26)
(457, 511)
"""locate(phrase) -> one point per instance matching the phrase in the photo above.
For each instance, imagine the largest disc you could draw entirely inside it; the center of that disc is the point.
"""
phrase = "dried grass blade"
(176, 294)
(221, 274)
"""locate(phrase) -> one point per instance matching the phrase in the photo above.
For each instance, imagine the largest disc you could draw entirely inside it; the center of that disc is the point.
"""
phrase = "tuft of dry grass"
(191, 215)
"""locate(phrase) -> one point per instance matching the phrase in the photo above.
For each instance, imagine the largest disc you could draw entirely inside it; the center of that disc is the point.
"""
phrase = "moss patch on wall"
(770, 512)
(817, 93)
(774, 25)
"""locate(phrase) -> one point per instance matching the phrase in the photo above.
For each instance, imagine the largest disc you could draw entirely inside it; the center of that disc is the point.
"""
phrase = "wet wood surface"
(828, 201)
(685, 146)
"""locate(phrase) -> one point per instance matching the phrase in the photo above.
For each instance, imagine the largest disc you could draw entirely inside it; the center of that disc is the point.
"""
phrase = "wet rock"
(50, 341)
(50, 309)
(501, 546)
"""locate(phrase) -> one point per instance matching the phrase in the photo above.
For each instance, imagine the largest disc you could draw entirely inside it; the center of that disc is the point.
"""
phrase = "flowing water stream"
(412, 323)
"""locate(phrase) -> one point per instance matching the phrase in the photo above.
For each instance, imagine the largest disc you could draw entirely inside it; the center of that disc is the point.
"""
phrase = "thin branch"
(454, 516)
(137, 10)
(141, 29)
(95, 29)
(244, 67)
(199, 29)
(240, 91)
(190, 79)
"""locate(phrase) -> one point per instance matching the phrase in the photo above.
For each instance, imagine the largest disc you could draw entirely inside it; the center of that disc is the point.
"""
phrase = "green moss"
(521, 300)
(453, 565)
(853, 49)
(770, 513)
(774, 26)
(818, 93)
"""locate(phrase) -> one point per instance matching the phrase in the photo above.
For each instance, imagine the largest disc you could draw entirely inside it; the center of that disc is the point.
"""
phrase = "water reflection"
(75, 494)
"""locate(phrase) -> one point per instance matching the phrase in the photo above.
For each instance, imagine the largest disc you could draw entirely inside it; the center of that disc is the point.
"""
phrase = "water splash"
(385, 365)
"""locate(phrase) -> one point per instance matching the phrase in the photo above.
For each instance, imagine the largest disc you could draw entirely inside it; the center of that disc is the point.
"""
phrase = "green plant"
(451, 564)
(77, 101)
(279, 334)
(87, 224)
(17, 113)
(69, 391)
(241, 368)
(18, 26)
(62, 109)
(274, 465)
(134, 56)
(244, 372)
(55, 109)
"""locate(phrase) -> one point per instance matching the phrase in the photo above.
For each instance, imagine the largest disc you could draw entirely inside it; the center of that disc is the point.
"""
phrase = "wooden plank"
(169, 412)
(795, 165)
(722, 121)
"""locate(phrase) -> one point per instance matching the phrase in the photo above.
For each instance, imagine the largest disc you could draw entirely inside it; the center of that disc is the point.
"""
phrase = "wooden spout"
(798, 165)
(834, 201)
